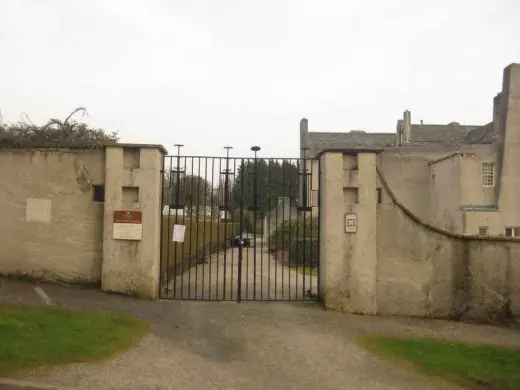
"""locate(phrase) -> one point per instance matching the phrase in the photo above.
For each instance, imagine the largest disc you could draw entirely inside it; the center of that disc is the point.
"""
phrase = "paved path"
(250, 346)
(263, 278)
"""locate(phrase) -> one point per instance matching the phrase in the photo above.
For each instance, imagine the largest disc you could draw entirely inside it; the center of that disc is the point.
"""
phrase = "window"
(513, 232)
(99, 193)
(483, 231)
(488, 174)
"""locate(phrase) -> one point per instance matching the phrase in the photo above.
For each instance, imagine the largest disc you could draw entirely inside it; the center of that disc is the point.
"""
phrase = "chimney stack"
(407, 127)
(304, 136)
(399, 133)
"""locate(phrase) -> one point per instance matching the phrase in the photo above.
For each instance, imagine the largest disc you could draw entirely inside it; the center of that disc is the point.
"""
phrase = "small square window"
(99, 193)
(488, 174)
(483, 231)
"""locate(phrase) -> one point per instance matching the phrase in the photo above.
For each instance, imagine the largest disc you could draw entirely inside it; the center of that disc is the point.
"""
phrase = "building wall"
(409, 173)
(435, 184)
(313, 165)
(284, 211)
(491, 220)
(445, 195)
(471, 186)
(51, 227)
(417, 269)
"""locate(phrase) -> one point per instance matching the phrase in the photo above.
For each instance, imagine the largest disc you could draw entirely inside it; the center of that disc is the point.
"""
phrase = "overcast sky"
(208, 73)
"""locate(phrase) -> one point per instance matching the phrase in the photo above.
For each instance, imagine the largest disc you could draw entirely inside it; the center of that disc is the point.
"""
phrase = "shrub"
(249, 223)
(289, 231)
(304, 252)
(259, 227)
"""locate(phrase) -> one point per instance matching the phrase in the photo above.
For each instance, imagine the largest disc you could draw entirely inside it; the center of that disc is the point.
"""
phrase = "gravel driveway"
(263, 278)
(256, 345)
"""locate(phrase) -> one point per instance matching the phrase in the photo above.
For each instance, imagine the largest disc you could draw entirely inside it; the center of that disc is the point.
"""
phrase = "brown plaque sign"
(128, 217)
(127, 225)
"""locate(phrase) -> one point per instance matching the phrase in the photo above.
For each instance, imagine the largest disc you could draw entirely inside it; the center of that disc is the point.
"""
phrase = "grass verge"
(476, 366)
(32, 337)
(306, 270)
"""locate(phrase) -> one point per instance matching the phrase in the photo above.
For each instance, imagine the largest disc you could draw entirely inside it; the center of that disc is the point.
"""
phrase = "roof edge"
(140, 146)
(350, 152)
(448, 156)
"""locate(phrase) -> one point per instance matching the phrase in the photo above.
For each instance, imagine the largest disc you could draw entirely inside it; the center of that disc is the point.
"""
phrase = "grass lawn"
(476, 366)
(34, 336)
(306, 270)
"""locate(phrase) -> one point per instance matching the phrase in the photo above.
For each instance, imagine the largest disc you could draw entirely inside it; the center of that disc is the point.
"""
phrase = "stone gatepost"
(348, 231)
(132, 219)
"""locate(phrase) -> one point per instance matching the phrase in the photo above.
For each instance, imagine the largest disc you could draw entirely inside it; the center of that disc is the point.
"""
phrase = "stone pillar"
(510, 129)
(304, 136)
(363, 257)
(348, 257)
(399, 133)
(407, 127)
(131, 251)
(496, 114)
(333, 266)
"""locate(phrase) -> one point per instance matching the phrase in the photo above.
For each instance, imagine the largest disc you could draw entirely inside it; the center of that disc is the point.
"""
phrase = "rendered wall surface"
(51, 228)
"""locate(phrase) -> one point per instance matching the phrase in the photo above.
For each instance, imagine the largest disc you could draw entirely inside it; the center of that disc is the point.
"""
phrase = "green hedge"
(304, 252)
(201, 237)
(289, 231)
(250, 224)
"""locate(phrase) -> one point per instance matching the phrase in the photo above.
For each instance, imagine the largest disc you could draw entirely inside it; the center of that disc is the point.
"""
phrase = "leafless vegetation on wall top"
(67, 133)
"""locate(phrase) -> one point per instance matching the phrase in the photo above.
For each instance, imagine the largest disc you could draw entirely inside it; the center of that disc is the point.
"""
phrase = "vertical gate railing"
(250, 228)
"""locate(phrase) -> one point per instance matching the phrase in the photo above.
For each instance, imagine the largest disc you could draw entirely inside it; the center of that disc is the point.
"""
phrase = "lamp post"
(226, 180)
(255, 149)
(178, 203)
(304, 203)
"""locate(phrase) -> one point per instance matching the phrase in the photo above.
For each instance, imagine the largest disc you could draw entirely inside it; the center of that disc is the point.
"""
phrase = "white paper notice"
(178, 233)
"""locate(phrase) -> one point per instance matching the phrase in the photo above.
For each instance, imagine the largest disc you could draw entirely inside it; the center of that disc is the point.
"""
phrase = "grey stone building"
(461, 178)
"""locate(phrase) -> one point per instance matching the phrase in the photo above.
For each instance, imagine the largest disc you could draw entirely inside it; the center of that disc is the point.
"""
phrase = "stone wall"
(428, 272)
(417, 269)
(51, 227)
(445, 194)
(59, 210)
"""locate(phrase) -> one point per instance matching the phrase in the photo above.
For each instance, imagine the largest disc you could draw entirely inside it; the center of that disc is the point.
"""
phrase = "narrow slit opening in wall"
(98, 193)
(130, 195)
(379, 195)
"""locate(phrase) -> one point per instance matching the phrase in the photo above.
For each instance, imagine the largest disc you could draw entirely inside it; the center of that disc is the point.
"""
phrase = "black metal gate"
(240, 228)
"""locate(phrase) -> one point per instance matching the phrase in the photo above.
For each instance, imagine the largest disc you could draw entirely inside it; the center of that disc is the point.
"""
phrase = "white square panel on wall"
(38, 210)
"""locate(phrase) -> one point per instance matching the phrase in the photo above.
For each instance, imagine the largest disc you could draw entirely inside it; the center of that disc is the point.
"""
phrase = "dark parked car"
(236, 241)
